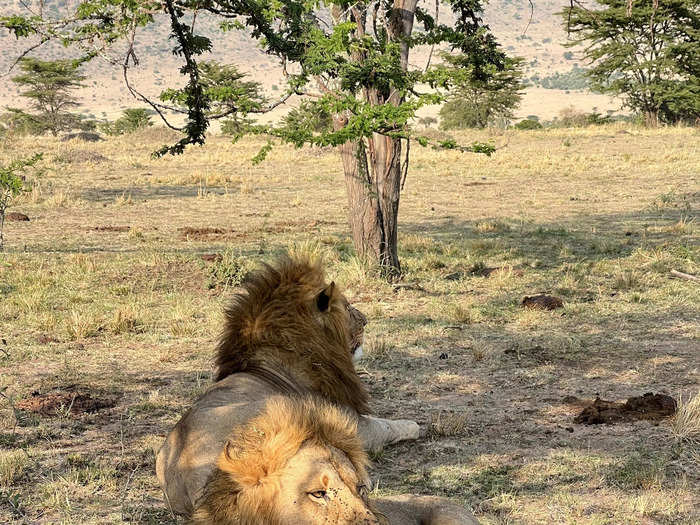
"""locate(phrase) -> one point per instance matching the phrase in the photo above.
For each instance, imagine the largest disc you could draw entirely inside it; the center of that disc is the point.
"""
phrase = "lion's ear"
(323, 299)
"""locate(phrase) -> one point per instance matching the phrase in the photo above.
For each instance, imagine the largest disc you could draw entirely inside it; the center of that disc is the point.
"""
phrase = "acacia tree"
(49, 85)
(647, 51)
(349, 58)
(476, 103)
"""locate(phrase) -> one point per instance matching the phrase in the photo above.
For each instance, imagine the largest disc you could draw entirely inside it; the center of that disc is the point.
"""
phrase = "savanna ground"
(104, 293)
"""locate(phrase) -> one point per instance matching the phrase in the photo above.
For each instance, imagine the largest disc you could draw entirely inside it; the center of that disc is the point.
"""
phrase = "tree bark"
(385, 163)
(651, 118)
(373, 183)
(363, 211)
(373, 170)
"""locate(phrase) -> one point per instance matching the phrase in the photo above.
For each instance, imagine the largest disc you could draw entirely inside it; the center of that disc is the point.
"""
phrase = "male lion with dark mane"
(288, 332)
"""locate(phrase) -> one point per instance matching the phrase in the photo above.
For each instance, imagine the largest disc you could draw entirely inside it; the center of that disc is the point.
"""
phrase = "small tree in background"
(478, 100)
(647, 51)
(49, 85)
(427, 122)
(230, 97)
(308, 117)
(351, 59)
(132, 119)
(12, 184)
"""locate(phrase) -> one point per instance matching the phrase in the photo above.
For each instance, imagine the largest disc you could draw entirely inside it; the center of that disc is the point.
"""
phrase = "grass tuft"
(448, 425)
(13, 464)
(685, 424)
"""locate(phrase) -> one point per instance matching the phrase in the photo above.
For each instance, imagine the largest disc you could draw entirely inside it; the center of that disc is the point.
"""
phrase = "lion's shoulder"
(187, 459)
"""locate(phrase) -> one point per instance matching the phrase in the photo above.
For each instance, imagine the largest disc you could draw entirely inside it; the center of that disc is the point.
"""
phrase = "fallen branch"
(686, 276)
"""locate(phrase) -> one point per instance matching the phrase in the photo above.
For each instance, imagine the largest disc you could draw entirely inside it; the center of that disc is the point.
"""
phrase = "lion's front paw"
(407, 429)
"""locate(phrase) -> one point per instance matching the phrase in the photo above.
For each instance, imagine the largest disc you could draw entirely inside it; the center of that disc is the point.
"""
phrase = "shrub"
(12, 184)
(132, 119)
(309, 116)
(571, 117)
(528, 124)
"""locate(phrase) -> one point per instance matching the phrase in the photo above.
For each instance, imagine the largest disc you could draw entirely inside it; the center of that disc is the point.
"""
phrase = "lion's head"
(299, 463)
(289, 318)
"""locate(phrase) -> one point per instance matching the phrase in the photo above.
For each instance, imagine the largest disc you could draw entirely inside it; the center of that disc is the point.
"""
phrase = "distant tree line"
(50, 86)
(575, 78)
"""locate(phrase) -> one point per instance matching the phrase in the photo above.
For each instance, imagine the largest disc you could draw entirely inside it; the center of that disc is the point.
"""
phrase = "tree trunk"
(385, 163)
(373, 180)
(2, 225)
(651, 118)
(373, 170)
(363, 212)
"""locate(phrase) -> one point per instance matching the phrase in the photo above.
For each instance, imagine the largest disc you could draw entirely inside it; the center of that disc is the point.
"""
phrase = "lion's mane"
(244, 483)
(276, 323)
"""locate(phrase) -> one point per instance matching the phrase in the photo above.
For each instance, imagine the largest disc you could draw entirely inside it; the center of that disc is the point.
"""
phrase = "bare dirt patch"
(111, 228)
(196, 234)
(477, 183)
(44, 339)
(649, 407)
(81, 156)
(296, 225)
(542, 302)
(212, 257)
(71, 400)
(16, 216)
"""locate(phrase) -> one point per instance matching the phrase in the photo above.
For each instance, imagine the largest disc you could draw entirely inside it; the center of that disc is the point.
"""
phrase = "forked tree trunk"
(372, 179)
(373, 168)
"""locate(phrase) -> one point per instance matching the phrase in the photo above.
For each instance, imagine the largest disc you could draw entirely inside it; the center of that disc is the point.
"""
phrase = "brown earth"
(71, 400)
(112, 228)
(650, 407)
(542, 302)
(196, 234)
(16, 216)
(211, 257)
(44, 339)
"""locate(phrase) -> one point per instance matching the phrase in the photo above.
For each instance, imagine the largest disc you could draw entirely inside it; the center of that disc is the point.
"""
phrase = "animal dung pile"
(649, 407)
(16, 216)
(542, 302)
(59, 402)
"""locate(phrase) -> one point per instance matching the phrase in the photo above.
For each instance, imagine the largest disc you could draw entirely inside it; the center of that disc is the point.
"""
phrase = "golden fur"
(246, 478)
(276, 323)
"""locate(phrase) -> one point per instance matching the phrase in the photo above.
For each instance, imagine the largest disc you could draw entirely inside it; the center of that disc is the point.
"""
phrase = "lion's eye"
(318, 494)
(362, 490)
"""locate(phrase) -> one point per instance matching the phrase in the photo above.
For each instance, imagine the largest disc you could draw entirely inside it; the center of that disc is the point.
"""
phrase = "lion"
(290, 333)
(301, 462)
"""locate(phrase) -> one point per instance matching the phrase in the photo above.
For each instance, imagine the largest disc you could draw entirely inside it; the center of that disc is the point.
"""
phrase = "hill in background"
(539, 40)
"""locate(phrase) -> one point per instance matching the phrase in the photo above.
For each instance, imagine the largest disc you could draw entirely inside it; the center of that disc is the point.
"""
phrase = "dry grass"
(686, 423)
(13, 464)
(104, 292)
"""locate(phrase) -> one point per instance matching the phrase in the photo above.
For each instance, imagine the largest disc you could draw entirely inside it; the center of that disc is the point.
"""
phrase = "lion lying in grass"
(288, 334)
(301, 462)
